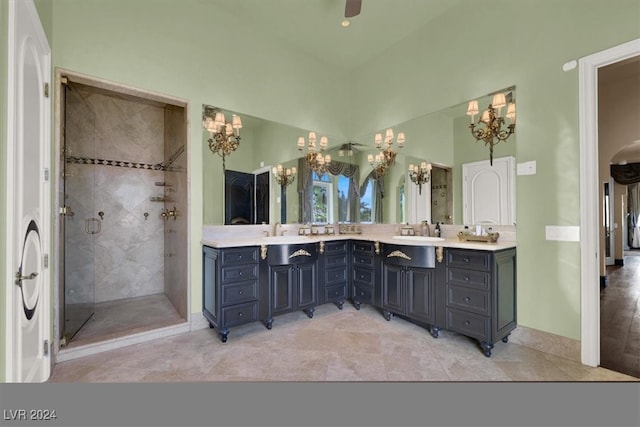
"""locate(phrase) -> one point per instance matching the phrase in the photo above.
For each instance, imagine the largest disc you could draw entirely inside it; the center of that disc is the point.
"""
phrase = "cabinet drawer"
(477, 260)
(335, 275)
(337, 259)
(364, 247)
(364, 275)
(337, 292)
(240, 313)
(468, 299)
(470, 324)
(363, 260)
(240, 292)
(410, 256)
(471, 278)
(235, 256)
(239, 273)
(364, 294)
(331, 248)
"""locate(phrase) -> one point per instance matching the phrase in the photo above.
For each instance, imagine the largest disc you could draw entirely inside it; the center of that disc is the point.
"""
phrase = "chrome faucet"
(275, 228)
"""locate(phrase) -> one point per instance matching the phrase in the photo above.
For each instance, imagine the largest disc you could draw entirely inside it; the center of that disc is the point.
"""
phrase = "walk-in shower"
(123, 213)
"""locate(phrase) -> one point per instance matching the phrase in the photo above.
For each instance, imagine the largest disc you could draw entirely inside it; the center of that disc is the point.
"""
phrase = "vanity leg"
(387, 315)
(356, 304)
(223, 334)
(268, 322)
(435, 331)
(309, 312)
(506, 338)
(486, 348)
(210, 325)
(340, 304)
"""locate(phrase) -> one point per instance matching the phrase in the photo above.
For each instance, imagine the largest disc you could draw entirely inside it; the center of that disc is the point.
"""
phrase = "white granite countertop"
(255, 235)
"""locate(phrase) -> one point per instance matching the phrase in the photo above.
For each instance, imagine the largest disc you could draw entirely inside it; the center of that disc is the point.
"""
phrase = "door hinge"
(46, 90)
(45, 261)
(46, 347)
(46, 174)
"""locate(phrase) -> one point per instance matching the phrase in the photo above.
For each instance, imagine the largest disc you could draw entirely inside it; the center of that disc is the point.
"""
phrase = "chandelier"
(490, 127)
(284, 176)
(316, 161)
(224, 137)
(386, 156)
(420, 174)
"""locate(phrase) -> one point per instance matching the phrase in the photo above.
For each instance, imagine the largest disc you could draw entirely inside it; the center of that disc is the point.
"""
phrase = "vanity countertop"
(239, 241)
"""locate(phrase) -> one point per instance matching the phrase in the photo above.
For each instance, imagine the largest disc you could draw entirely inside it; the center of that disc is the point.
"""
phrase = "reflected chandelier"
(420, 174)
(490, 126)
(224, 137)
(284, 176)
(386, 156)
(316, 161)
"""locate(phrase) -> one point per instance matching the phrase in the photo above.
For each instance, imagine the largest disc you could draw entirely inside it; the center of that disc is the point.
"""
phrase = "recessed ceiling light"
(346, 23)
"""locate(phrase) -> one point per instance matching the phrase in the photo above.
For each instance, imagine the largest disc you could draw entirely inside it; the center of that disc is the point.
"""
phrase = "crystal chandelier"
(316, 161)
(386, 156)
(420, 174)
(490, 127)
(224, 137)
(284, 176)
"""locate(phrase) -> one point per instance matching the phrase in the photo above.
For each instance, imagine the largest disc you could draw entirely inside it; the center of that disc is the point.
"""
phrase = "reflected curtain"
(352, 172)
(626, 174)
(378, 195)
(305, 188)
(633, 200)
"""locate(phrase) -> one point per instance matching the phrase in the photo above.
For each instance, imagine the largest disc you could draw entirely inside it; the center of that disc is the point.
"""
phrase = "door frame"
(589, 194)
(13, 223)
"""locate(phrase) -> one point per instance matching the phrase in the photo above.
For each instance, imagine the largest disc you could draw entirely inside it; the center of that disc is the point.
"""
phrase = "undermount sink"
(284, 240)
(420, 238)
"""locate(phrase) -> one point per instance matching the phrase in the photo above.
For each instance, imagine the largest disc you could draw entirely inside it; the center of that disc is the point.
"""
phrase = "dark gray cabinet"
(365, 276)
(292, 274)
(230, 287)
(479, 294)
(334, 272)
(408, 283)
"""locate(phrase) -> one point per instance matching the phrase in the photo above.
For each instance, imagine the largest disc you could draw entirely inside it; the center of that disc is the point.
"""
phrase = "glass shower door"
(80, 224)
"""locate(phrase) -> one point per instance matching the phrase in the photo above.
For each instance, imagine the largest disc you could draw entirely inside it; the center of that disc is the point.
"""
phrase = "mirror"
(442, 138)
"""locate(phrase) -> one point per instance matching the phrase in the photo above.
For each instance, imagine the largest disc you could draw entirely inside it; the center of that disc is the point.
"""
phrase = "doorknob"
(20, 277)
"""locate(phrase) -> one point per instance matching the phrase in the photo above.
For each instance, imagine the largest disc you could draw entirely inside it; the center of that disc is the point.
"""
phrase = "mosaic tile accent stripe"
(117, 163)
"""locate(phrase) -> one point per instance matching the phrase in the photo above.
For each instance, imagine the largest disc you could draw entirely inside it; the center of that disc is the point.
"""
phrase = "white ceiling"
(314, 26)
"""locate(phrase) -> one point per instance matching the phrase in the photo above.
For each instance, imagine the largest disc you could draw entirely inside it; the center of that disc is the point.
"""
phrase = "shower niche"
(122, 193)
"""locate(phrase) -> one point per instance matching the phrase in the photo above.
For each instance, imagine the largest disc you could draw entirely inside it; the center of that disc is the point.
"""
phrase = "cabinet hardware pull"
(240, 314)
(240, 292)
(466, 259)
(467, 323)
(467, 278)
(467, 299)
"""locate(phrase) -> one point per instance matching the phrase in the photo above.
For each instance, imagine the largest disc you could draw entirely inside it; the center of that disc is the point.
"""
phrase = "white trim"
(589, 190)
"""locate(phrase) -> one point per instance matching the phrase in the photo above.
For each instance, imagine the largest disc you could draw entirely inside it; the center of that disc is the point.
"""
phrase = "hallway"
(620, 317)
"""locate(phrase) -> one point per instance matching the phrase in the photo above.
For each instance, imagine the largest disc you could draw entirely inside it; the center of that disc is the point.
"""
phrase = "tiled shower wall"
(129, 250)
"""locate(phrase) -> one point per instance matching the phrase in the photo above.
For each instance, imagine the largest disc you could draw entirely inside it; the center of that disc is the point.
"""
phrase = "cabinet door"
(210, 284)
(282, 282)
(392, 293)
(420, 286)
(306, 285)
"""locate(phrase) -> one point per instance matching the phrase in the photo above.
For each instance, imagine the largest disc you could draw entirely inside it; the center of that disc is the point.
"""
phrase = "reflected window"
(321, 199)
(343, 199)
(367, 201)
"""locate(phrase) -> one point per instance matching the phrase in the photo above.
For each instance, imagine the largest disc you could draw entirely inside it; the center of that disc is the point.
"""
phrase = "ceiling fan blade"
(352, 8)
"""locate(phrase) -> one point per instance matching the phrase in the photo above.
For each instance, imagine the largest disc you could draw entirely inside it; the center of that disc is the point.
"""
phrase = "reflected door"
(488, 192)
(79, 222)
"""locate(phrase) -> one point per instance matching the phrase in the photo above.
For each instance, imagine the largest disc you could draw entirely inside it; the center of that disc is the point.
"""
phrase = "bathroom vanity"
(468, 288)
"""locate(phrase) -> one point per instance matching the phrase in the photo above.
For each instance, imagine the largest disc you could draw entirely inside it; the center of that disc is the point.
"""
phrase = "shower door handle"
(92, 226)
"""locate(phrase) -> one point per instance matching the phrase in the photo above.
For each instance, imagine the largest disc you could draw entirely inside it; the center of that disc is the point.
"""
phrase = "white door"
(28, 210)
(488, 192)
(418, 202)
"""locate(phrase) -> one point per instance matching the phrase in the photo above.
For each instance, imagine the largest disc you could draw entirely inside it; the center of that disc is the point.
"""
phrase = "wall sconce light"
(386, 156)
(316, 161)
(420, 174)
(489, 127)
(224, 137)
(284, 176)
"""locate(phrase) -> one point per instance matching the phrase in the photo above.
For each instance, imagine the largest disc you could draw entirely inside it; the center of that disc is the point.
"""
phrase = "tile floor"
(335, 345)
(620, 317)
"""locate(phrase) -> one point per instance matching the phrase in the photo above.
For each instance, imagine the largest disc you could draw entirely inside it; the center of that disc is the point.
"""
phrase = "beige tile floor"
(335, 345)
